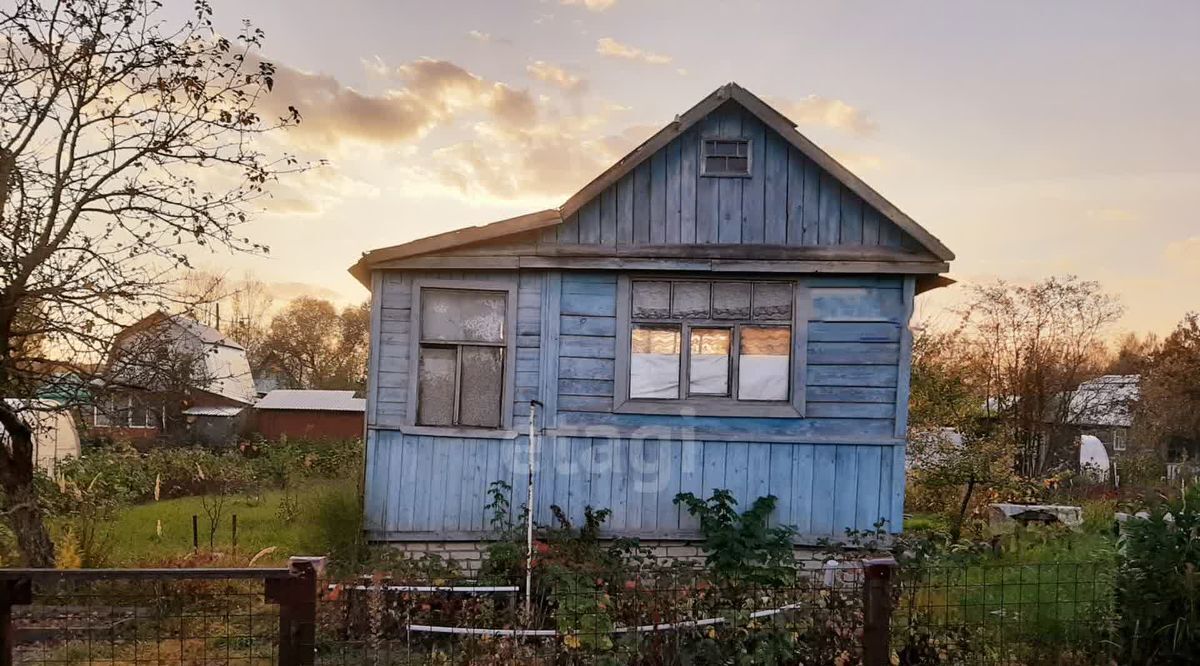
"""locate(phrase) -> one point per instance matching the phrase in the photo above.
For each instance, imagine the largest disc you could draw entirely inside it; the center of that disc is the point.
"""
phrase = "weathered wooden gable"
(788, 199)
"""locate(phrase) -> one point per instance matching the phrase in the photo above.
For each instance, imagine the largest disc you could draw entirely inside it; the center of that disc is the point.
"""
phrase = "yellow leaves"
(261, 554)
(572, 642)
(69, 554)
(711, 633)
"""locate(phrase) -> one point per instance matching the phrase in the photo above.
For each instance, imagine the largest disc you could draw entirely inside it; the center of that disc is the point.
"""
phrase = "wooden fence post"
(297, 599)
(13, 592)
(877, 610)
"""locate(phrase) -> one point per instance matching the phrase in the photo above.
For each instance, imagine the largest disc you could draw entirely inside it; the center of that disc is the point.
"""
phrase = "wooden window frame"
(704, 172)
(725, 406)
(1120, 436)
(509, 345)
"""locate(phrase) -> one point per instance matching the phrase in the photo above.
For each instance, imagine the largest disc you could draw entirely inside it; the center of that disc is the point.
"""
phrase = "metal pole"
(533, 407)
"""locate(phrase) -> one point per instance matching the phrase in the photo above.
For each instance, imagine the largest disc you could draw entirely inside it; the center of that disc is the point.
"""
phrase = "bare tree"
(1032, 346)
(125, 145)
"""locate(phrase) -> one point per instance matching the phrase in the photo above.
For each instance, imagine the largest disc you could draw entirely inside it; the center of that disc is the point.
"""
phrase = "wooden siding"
(787, 200)
(852, 367)
(423, 487)
(841, 466)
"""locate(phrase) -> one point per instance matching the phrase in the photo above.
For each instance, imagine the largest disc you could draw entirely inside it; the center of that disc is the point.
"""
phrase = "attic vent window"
(726, 157)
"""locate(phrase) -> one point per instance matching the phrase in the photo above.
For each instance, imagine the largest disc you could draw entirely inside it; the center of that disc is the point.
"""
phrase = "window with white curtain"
(704, 341)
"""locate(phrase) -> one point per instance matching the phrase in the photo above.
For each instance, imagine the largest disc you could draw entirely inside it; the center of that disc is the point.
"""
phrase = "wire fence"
(870, 613)
(1042, 613)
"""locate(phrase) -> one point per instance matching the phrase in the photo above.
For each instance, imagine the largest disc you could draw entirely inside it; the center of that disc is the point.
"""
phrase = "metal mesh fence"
(1058, 613)
(79, 619)
(1043, 613)
(677, 616)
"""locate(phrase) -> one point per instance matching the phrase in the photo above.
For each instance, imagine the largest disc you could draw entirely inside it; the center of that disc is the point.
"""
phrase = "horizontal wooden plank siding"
(840, 466)
(823, 489)
(786, 200)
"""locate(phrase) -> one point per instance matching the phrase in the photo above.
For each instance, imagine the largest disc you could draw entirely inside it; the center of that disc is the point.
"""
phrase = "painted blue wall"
(787, 200)
(841, 466)
(421, 487)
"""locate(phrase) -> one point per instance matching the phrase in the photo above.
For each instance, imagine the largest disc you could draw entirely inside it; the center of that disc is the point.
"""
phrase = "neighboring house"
(309, 414)
(163, 366)
(55, 437)
(1103, 407)
(725, 307)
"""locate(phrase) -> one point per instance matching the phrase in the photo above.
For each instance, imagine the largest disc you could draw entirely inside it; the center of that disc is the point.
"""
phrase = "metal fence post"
(13, 592)
(877, 610)
(297, 599)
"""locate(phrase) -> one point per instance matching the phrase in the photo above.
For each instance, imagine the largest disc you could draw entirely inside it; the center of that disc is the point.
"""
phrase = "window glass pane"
(654, 362)
(708, 363)
(651, 300)
(482, 387)
(690, 300)
(137, 416)
(714, 164)
(469, 316)
(435, 386)
(773, 300)
(743, 148)
(731, 300)
(763, 366)
(737, 165)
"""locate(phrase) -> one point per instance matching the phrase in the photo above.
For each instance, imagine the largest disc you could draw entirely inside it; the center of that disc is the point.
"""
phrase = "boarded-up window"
(684, 333)
(460, 373)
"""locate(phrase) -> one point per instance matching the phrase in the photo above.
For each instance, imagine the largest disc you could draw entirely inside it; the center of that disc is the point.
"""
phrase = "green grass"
(133, 540)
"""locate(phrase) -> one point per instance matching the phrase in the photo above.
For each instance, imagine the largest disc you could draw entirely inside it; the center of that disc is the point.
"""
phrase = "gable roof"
(312, 400)
(772, 118)
(202, 332)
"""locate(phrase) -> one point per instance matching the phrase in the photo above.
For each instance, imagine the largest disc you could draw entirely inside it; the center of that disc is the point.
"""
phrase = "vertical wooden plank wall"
(787, 200)
(841, 466)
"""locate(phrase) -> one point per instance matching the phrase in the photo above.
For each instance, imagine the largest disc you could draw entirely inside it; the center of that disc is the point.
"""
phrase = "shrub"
(1158, 584)
(742, 546)
(337, 528)
(127, 476)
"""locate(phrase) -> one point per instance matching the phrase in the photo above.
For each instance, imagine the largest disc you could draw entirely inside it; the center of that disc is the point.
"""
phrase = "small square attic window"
(726, 157)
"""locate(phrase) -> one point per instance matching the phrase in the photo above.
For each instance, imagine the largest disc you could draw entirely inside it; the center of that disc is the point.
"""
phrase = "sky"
(1033, 138)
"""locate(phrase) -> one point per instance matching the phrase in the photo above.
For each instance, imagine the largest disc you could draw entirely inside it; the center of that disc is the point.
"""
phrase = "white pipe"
(479, 631)
(462, 589)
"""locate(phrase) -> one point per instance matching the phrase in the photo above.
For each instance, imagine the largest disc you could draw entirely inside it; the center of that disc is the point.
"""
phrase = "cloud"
(426, 93)
(479, 36)
(609, 47)
(314, 191)
(555, 75)
(549, 161)
(827, 112)
(592, 5)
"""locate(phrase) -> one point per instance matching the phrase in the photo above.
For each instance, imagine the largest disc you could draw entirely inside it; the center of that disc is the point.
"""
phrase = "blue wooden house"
(725, 307)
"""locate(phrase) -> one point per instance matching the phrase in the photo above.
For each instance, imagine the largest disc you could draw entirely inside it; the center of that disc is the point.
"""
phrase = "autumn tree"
(318, 347)
(954, 449)
(1169, 408)
(1033, 345)
(1134, 354)
(126, 145)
